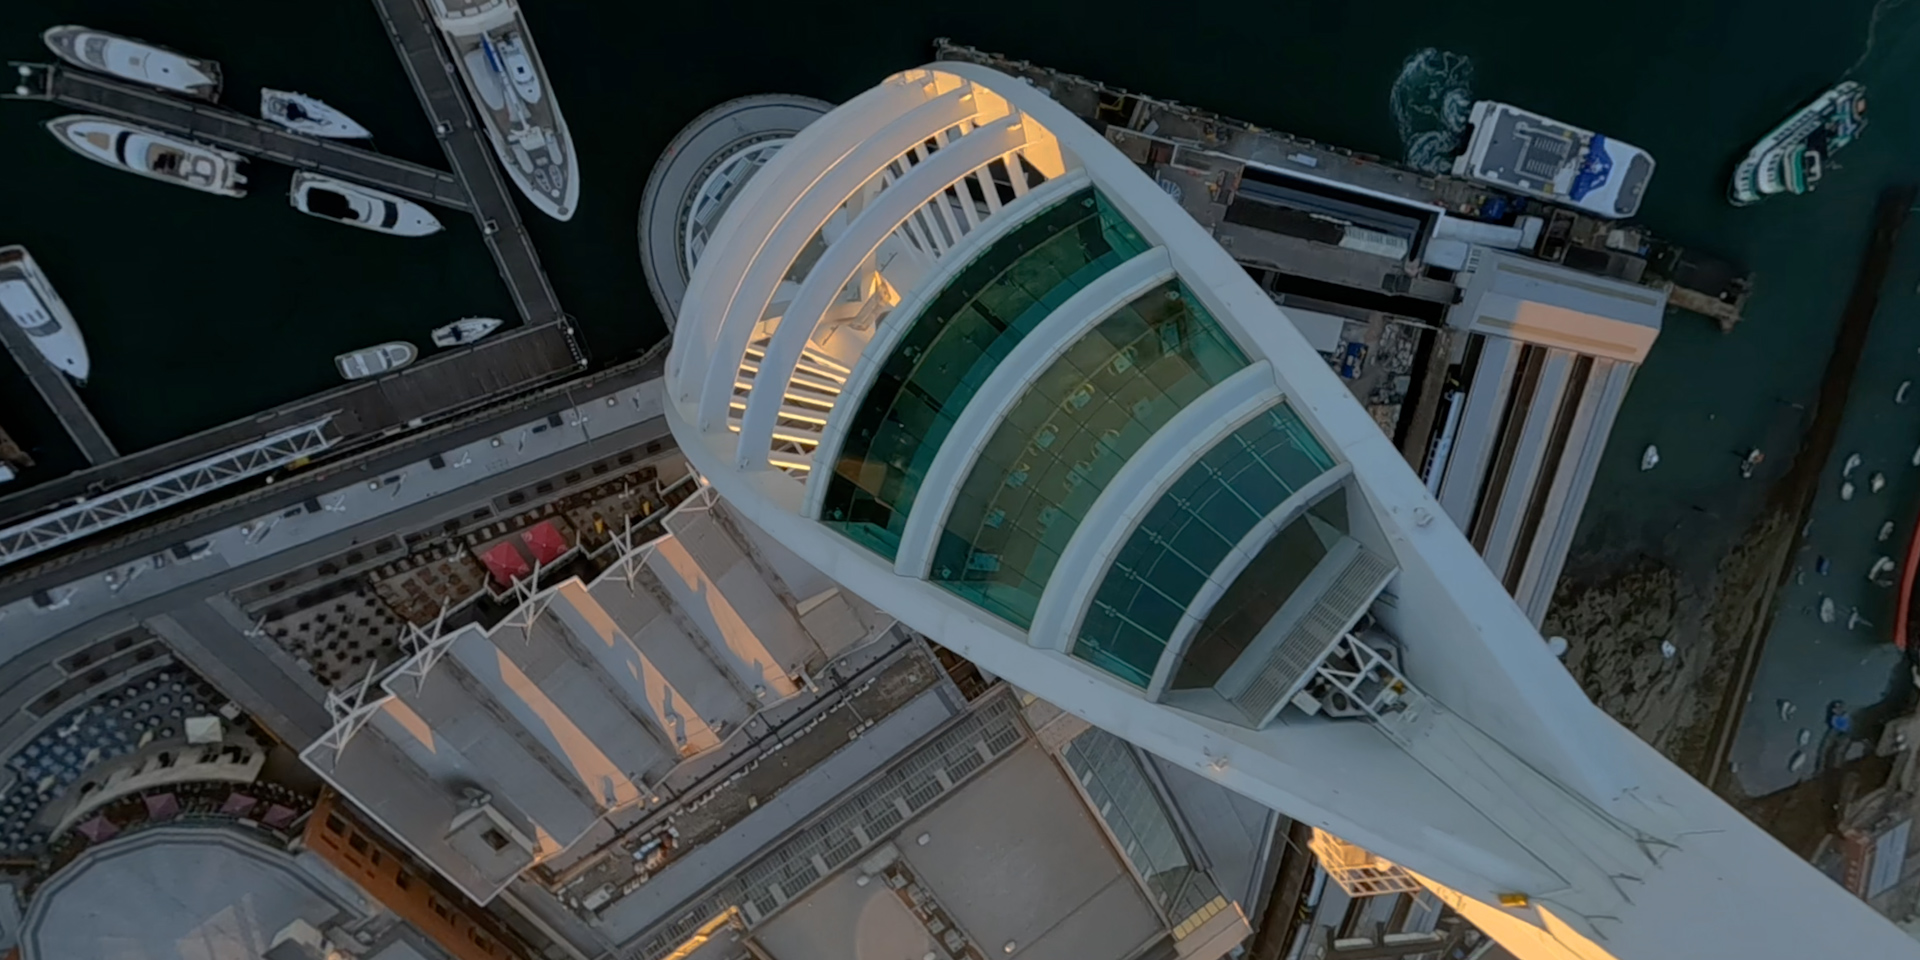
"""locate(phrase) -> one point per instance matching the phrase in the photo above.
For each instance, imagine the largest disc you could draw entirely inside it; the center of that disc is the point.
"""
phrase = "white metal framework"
(93, 514)
(1466, 755)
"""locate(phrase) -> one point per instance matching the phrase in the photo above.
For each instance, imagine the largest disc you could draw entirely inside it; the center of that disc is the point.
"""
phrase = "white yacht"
(495, 56)
(1528, 153)
(135, 60)
(151, 153)
(464, 331)
(374, 361)
(360, 206)
(309, 115)
(27, 297)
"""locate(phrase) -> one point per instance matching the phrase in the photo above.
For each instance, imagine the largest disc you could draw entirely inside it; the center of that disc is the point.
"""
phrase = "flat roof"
(1539, 302)
(1013, 856)
(173, 893)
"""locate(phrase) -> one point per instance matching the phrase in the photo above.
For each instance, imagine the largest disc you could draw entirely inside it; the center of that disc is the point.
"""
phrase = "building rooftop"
(489, 750)
(1015, 859)
(179, 893)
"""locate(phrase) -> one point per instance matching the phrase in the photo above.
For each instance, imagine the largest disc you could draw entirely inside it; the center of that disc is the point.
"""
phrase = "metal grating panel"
(1358, 872)
(857, 823)
(1307, 643)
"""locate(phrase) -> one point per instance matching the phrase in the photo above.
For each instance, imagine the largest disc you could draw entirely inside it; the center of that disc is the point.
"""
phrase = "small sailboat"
(360, 206)
(1826, 610)
(1846, 490)
(1846, 469)
(310, 115)
(135, 60)
(1886, 531)
(374, 361)
(1877, 482)
(1650, 457)
(465, 331)
(1900, 395)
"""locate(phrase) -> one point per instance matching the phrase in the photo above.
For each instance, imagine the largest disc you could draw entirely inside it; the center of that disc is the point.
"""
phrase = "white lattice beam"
(131, 502)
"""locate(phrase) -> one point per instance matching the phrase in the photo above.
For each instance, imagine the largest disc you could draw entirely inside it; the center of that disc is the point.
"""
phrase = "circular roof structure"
(700, 174)
(172, 893)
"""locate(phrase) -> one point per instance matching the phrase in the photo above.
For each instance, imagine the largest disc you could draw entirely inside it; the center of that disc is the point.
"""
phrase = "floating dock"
(60, 394)
(489, 195)
(362, 413)
(238, 132)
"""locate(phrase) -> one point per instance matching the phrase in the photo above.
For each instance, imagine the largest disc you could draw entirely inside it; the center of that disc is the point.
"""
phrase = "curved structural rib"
(1068, 438)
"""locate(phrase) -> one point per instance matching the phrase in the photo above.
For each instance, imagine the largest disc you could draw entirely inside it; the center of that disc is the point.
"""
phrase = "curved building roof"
(957, 351)
(179, 893)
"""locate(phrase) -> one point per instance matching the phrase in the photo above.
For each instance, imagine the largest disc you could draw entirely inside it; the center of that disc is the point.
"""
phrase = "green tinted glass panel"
(1262, 588)
(1066, 437)
(1189, 531)
(950, 349)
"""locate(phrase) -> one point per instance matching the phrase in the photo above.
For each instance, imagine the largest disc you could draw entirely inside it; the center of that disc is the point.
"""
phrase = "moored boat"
(465, 331)
(374, 361)
(1528, 153)
(360, 206)
(496, 59)
(29, 300)
(134, 60)
(309, 115)
(1793, 156)
(151, 153)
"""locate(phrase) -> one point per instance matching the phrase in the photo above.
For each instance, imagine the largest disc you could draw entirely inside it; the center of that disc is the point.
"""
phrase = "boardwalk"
(237, 132)
(490, 195)
(59, 393)
(365, 411)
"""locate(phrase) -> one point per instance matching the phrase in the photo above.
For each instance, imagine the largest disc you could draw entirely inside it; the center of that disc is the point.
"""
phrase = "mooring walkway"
(238, 132)
(490, 196)
(364, 412)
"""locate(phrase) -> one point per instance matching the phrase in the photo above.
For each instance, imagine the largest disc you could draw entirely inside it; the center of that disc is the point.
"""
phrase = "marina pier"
(489, 196)
(60, 394)
(238, 132)
(363, 413)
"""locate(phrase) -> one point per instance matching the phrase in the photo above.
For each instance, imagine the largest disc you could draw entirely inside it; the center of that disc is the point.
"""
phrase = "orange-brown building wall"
(390, 877)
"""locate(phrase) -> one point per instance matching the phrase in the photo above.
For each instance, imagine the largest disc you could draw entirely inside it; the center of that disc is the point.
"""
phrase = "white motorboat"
(135, 60)
(465, 331)
(360, 206)
(1528, 153)
(27, 297)
(495, 56)
(374, 361)
(151, 153)
(309, 115)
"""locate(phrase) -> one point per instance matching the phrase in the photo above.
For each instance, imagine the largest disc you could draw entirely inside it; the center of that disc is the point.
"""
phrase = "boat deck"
(224, 128)
(410, 26)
